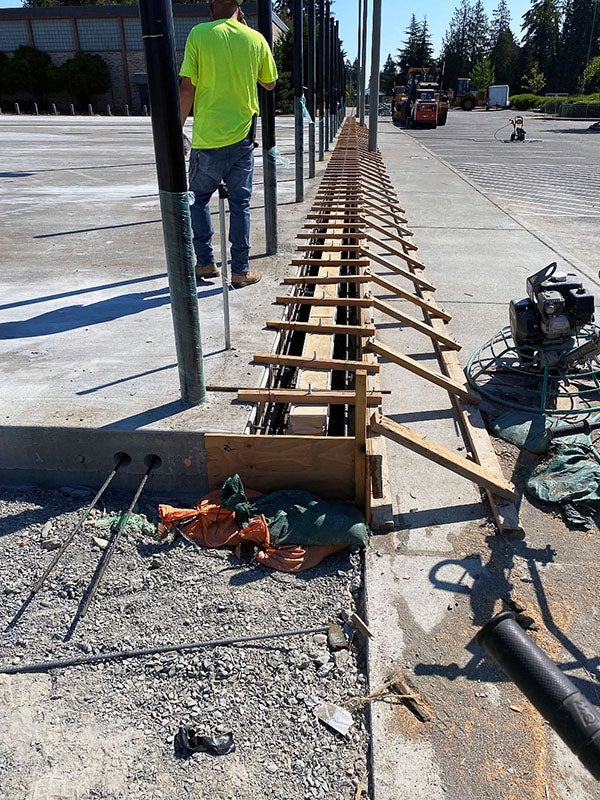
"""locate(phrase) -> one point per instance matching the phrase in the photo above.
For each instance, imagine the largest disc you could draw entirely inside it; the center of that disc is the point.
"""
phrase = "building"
(112, 32)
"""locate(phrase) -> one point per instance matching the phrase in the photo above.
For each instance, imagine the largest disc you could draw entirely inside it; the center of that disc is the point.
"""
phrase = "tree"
(84, 76)
(541, 27)
(387, 79)
(590, 78)
(30, 71)
(482, 74)
(417, 50)
(534, 81)
(283, 52)
(455, 45)
(500, 22)
(505, 58)
(477, 35)
(576, 38)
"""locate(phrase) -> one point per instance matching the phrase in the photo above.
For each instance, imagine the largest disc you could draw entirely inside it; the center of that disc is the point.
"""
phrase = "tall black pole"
(310, 95)
(359, 57)
(298, 96)
(332, 97)
(321, 79)
(375, 59)
(327, 69)
(363, 64)
(156, 18)
(267, 119)
(338, 72)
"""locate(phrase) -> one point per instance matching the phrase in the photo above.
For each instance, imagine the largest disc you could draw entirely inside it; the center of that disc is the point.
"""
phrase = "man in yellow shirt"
(223, 62)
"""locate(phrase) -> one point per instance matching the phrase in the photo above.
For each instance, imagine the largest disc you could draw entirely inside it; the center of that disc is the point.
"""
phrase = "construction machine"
(421, 102)
(468, 96)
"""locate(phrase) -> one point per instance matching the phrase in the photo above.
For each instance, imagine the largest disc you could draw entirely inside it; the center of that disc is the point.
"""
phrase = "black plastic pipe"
(267, 121)
(156, 17)
(298, 95)
(327, 70)
(363, 64)
(374, 90)
(558, 700)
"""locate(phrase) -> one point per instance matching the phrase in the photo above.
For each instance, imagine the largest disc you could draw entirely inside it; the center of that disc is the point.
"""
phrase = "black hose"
(570, 714)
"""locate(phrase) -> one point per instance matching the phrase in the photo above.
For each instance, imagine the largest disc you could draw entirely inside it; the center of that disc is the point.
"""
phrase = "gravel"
(106, 730)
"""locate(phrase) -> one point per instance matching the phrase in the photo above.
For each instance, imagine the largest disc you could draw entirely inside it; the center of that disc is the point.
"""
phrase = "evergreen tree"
(482, 74)
(478, 38)
(387, 79)
(500, 22)
(84, 76)
(409, 54)
(455, 45)
(576, 39)
(425, 53)
(541, 28)
(505, 59)
(30, 71)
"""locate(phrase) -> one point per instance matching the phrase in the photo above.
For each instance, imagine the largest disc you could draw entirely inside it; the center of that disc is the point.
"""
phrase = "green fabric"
(527, 431)
(224, 60)
(297, 517)
(571, 476)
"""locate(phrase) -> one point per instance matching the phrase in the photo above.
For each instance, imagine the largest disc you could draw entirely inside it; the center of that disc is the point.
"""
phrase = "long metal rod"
(374, 93)
(327, 69)
(224, 268)
(267, 121)
(298, 98)
(42, 579)
(43, 666)
(108, 553)
(310, 94)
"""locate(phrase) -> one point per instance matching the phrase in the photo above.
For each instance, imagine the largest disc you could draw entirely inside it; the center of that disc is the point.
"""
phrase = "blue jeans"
(233, 165)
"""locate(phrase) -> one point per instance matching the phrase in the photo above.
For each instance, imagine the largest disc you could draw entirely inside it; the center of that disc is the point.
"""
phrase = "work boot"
(245, 279)
(207, 271)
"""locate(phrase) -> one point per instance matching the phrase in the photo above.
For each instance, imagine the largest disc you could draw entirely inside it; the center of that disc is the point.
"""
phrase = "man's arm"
(187, 90)
(267, 86)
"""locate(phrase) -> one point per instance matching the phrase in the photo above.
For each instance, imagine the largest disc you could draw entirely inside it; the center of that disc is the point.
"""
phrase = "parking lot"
(550, 183)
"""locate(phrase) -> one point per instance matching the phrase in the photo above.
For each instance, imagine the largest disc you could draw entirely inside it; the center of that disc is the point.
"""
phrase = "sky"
(395, 17)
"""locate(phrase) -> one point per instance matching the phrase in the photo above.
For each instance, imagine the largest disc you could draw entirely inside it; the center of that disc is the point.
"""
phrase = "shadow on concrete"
(100, 288)
(71, 318)
(101, 228)
(148, 417)
(490, 583)
(15, 174)
(446, 515)
(125, 380)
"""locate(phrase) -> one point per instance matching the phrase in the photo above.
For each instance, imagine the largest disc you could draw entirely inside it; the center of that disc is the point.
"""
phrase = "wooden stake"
(412, 322)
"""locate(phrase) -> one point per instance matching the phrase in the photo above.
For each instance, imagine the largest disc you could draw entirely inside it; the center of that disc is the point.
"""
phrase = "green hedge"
(522, 102)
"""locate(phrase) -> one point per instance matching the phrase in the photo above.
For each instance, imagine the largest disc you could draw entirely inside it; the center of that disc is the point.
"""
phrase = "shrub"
(84, 76)
(522, 102)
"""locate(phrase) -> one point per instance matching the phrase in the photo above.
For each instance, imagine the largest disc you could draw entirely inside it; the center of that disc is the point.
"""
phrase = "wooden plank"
(411, 276)
(333, 236)
(423, 327)
(394, 224)
(362, 491)
(392, 288)
(443, 456)
(327, 248)
(278, 360)
(394, 250)
(391, 235)
(320, 280)
(319, 464)
(422, 371)
(323, 302)
(309, 327)
(369, 202)
(331, 262)
(340, 397)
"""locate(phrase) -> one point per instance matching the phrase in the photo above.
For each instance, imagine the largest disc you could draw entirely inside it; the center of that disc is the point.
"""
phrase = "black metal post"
(363, 63)
(267, 120)
(321, 79)
(310, 95)
(327, 69)
(156, 18)
(332, 95)
(298, 96)
(374, 94)
(358, 56)
(338, 73)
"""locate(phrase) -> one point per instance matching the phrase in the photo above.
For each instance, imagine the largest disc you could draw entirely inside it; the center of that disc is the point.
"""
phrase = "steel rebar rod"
(108, 553)
(113, 655)
(42, 579)
(267, 121)
(299, 97)
(310, 94)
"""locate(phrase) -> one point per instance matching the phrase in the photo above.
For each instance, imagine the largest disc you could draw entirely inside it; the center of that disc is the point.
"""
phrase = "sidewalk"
(435, 580)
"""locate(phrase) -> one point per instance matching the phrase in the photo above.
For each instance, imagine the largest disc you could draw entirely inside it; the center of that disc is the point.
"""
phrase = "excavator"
(421, 102)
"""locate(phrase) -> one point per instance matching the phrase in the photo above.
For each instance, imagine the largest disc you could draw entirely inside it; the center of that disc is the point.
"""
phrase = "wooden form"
(444, 456)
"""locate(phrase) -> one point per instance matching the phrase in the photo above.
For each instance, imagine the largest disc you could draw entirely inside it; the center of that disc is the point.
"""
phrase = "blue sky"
(395, 18)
